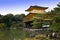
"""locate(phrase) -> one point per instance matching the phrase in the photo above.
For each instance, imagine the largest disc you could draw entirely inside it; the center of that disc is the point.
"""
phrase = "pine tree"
(56, 19)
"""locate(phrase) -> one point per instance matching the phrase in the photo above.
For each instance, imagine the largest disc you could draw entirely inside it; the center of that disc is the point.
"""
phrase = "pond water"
(12, 34)
(17, 34)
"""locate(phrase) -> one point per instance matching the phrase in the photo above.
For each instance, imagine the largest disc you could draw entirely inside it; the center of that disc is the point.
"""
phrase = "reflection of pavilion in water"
(33, 10)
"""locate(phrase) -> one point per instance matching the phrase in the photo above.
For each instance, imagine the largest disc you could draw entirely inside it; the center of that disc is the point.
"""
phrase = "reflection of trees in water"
(45, 33)
(11, 34)
(17, 34)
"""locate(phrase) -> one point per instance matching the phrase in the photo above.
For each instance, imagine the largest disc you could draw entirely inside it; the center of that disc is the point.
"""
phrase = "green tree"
(8, 20)
(2, 25)
(19, 19)
(1, 18)
(36, 23)
(56, 19)
(11, 20)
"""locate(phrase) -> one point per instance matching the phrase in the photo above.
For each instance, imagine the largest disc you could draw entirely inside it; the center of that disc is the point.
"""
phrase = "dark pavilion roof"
(35, 7)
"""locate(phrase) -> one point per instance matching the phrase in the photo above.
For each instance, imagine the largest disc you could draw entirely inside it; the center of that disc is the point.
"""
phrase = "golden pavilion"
(33, 10)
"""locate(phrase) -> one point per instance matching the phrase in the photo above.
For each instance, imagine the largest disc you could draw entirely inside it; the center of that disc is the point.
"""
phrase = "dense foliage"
(11, 21)
(56, 18)
(37, 21)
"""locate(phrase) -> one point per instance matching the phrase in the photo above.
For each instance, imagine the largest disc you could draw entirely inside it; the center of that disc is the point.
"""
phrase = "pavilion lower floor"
(43, 25)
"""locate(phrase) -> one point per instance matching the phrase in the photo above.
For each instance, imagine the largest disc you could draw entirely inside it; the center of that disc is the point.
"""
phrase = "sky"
(19, 6)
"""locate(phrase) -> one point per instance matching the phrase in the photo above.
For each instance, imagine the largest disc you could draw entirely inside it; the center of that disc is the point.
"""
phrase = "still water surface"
(12, 34)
